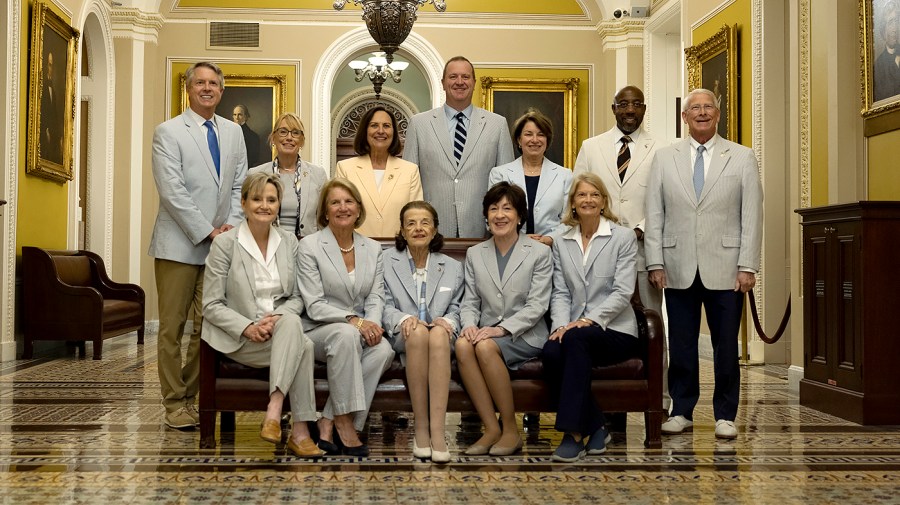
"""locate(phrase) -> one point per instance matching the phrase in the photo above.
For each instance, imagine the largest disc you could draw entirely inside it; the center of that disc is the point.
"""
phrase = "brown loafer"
(270, 431)
(305, 449)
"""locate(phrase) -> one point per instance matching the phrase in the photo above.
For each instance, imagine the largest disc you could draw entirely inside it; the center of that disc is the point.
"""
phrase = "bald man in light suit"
(455, 188)
(704, 233)
(199, 163)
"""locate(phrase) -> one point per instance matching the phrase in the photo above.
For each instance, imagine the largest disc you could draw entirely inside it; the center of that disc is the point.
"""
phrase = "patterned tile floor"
(74, 430)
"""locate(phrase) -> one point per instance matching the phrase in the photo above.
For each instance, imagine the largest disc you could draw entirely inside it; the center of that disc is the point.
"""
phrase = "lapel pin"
(305, 173)
(390, 176)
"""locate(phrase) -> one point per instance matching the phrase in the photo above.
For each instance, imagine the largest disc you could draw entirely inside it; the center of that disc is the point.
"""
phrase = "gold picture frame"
(512, 97)
(263, 96)
(711, 62)
(51, 104)
(881, 82)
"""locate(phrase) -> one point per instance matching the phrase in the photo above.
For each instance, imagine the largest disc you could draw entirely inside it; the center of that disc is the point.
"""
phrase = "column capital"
(621, 33)
(132, 23)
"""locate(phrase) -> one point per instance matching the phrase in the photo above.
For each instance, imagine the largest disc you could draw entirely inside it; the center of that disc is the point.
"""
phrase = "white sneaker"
(676, 425)
(726, 429)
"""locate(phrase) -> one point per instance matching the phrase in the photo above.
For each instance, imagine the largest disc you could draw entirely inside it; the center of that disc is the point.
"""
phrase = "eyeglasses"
(283, 132)
(625, 105)
(707, 107)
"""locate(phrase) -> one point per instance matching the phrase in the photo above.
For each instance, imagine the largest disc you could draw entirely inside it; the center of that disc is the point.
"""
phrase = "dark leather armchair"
(68, 296)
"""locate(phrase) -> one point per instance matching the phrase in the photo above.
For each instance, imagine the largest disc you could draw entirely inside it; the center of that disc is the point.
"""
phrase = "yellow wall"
(42, 205)
(738, 13)
(884, 177)
(518, 6)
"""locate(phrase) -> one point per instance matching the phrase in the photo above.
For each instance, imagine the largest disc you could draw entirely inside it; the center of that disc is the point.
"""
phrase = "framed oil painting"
(512, 97)
(880, 46)
(253, 102)
(713, 64)
(51, 104)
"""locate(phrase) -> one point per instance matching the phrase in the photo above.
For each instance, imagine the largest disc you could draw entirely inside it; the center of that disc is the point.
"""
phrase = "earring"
(601, 212)
(486, 225)
(573, 211)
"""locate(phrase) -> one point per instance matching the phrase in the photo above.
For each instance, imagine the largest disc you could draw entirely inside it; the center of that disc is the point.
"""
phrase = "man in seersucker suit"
(702, 244)
(456, 146)
(199, 163)
(621, 156)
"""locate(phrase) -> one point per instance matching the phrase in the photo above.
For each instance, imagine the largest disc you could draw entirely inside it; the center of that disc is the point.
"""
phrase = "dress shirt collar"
(709, 145)
(197, 118)
(246, 240)
(635, 135)
(450, 113)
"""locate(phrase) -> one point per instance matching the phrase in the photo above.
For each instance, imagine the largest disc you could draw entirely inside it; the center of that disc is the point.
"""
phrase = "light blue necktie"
(213, 144)
(423, 308)
(698, 171)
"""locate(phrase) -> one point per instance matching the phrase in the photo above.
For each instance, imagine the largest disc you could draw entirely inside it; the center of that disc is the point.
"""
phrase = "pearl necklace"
(348, 250)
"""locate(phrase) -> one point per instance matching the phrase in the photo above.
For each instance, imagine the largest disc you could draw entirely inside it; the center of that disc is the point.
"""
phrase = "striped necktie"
(624, 157)
(459, 138)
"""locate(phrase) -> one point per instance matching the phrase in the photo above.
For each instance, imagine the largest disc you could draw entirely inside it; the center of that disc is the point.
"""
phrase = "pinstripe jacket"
(723, 226)
(456, 190)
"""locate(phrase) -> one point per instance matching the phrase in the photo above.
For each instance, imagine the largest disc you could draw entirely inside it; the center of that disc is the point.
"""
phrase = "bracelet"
(585, 320)
(359, 323)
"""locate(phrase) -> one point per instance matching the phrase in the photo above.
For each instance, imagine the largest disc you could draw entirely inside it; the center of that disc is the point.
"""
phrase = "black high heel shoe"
(330, 448)
(360, 451)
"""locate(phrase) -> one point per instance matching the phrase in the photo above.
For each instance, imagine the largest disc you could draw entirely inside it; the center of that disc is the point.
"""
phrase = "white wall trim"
(331, 63)
(711, 14)
(10, 181)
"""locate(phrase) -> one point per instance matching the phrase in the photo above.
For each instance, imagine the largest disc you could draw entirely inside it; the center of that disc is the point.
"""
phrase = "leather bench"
(635, 385)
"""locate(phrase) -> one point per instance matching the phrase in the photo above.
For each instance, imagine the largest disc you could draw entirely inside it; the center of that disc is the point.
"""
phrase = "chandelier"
(390, 21)
(378, 70)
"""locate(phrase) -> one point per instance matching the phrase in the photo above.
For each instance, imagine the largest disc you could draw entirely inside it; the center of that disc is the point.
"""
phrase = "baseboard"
(8, 351)
(795, 373)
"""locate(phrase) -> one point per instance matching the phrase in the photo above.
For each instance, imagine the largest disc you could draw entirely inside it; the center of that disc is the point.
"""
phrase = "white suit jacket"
(519, 301)
(312, 179)
(325, 285)
(401, 185)
(229, 287)
(600, 289)
(454, 190)
(193, 200)
(600, 155)
(716, 234)
(552, 191)
(443, 290)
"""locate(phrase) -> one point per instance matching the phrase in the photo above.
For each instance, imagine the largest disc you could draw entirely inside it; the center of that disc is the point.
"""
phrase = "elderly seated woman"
(502, 314)
(251, 307)
(342, 284)
(593, 279)
(423, 289)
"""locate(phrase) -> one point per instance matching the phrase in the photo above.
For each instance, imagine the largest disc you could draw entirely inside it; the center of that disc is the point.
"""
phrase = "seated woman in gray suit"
(251, 307)
(507, 293)
(546, 183)
(303, 180)
(423, 289)
(594, 273)
(342, 284)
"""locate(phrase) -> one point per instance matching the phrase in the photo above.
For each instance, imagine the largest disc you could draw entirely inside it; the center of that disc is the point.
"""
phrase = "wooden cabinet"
(851, 335)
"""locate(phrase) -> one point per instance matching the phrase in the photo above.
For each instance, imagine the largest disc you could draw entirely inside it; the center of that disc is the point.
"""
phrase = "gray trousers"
(353, 370)
(289, 356)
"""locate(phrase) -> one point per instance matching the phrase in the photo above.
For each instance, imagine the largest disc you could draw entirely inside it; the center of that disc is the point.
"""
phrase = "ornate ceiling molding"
(131, 23)
(621, 33)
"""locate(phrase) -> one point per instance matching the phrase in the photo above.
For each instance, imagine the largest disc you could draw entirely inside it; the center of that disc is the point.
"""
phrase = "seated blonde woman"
(251, 306)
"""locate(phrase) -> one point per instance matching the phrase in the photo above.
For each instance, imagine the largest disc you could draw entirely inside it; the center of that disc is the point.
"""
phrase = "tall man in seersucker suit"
(702, 244)
(621, 156)
(199, 163)
(456, 146)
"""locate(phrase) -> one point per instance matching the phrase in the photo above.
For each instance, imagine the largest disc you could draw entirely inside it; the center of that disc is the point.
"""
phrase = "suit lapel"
(400, 264)
(516, 174)
(391, 176)
(305, 196)
(640, 151)
(281, 261)
(362, 265)
(476, 127)
(549, 173)
(439, 125)
(597, 245)
(198, 133)
(721, 156)
(333, 253)
(489, 258)
(685, 169)
(365, 177)
(521, 250)
(575, 255)
(435, 272)
(611, 155)
(246, 262)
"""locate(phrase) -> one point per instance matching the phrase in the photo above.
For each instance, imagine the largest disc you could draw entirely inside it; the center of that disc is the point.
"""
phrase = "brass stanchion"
(745, 351)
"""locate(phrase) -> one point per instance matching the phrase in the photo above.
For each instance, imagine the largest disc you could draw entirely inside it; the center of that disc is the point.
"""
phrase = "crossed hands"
(475, 334)
(261, 330)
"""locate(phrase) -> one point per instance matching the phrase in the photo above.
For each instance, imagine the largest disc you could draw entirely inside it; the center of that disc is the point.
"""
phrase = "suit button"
(499, 295)
(301, 226)
(455, 181)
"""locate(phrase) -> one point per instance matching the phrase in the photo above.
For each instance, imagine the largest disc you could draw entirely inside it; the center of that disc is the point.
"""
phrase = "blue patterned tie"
(213, 144)
(698, 171)
(459, 138)
(423, 308)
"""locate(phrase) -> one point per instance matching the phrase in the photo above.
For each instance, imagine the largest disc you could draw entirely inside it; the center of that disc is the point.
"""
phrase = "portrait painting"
(712, 64)
(555, 98)
(254, 102)
(51, 113)
(881, 56)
